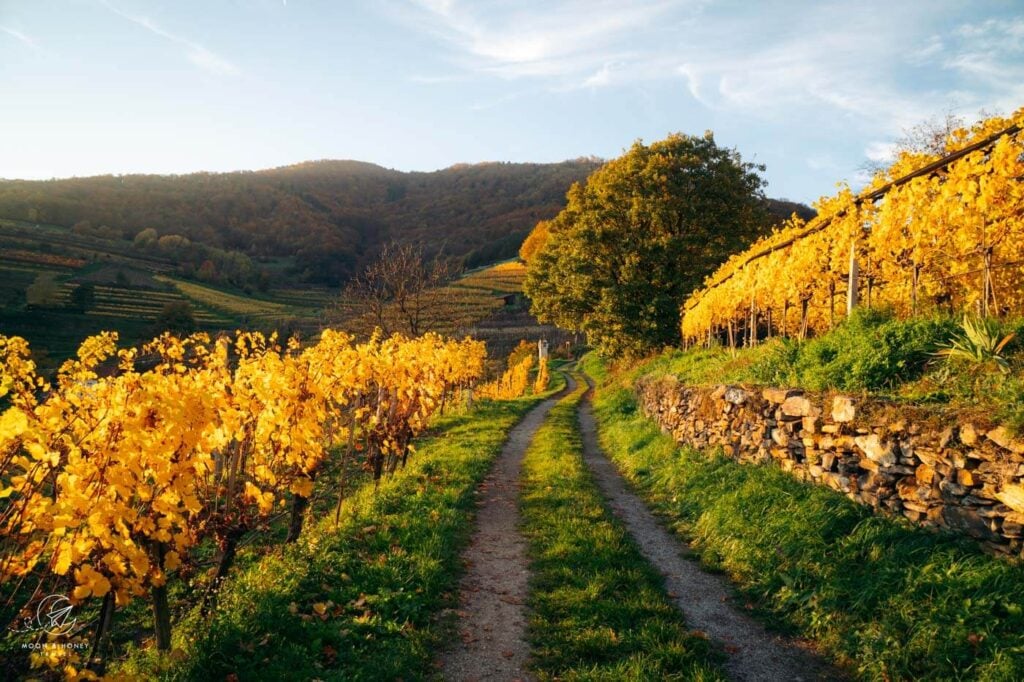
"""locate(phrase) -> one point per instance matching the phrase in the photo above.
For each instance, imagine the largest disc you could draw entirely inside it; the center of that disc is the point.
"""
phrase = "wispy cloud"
(599, 78)
(871, 69)
(20, 37)
(880, 152)
(210, 61)
(689, 73)
(198, 55)
(571, 41)
(991, 55)
(25, 39)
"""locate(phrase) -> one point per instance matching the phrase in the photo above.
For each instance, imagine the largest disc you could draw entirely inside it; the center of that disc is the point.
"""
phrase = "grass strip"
(888, 600)
(360, 601)
(598, 609)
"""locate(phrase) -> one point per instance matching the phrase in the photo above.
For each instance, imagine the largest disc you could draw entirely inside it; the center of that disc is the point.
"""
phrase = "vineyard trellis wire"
(943, 219)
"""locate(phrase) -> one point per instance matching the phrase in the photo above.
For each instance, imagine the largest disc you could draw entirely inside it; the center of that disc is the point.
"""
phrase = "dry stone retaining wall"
(936, 471)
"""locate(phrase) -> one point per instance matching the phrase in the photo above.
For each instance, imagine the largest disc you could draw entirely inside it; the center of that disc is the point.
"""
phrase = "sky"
(812, 90)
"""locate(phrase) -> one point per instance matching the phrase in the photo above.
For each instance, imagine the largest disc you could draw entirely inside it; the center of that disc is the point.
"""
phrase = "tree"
(535, 241)
(83, 297)
(927, 137)
(398, 291)
(176, 317)
(642, 233)
(145, 238)
(44, 291)
(207, 271)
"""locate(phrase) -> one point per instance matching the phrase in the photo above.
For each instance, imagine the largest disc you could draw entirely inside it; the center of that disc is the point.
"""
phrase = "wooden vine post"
(851, 284)
(831, 304)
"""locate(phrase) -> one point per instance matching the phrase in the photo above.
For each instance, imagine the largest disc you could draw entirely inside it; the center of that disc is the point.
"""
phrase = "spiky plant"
(979, 343)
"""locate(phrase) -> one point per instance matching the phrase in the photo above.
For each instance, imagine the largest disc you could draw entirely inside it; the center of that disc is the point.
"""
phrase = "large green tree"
(642, 233)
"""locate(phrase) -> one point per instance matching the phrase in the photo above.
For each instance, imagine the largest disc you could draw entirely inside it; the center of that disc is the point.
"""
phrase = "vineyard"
(453, 307)
(131, 288)
(933, 232)
(133, 462)
(256, 505)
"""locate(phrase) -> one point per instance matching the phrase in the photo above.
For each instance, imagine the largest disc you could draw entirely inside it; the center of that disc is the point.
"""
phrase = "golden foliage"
(952, 238)
(513, 383)
(535, 241)
(112, 474)
(540, 384)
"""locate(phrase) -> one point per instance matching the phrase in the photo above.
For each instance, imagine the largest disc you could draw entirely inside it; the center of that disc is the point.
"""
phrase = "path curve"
(706, 601)
(491, 643)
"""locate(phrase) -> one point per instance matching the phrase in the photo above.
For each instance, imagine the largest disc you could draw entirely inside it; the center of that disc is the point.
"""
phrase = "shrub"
(869, 351)
(981, 343)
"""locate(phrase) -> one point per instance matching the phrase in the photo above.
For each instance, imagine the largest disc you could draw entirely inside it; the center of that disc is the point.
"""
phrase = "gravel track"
(753, 653)
(491, 642)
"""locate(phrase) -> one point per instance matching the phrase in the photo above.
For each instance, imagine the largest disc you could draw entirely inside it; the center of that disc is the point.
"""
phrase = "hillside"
(130, 293)
(318, 222)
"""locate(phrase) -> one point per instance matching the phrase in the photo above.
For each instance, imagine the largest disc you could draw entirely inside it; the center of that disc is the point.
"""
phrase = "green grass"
(230, 304)
(888, 600)
(599, 611)
(382, 577)
(870, 353)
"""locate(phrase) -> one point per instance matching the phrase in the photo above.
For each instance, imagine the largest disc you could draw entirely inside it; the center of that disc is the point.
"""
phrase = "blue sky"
(811, 89)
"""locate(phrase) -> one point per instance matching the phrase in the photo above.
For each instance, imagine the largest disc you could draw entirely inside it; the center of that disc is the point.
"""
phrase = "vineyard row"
(114, 473)
(951, 238)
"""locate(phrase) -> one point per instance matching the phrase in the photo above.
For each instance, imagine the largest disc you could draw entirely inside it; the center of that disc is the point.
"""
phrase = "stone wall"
(936, 469)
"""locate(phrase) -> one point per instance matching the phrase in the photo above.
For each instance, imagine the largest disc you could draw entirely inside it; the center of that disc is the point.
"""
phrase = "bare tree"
(398, 292)
(927, 137)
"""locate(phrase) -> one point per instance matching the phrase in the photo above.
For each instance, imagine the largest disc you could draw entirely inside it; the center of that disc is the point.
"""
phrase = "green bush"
(868, 352)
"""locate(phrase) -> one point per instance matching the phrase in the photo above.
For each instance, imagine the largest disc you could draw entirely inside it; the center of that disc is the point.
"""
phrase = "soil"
(491, 642)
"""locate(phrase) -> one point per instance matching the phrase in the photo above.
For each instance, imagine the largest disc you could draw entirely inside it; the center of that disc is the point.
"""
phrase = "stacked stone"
(962, 476)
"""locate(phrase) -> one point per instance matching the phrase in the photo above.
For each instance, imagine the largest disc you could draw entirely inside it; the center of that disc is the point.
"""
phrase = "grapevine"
(113, 473)
(949, 239)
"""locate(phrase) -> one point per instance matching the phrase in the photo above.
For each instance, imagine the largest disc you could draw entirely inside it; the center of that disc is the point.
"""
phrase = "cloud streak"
(20, 37)
(881, 70)
(196, 54)
(570, 40)
(25, 39)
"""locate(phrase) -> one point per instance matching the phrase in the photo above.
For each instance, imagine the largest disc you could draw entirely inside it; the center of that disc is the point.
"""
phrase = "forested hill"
(328, 217)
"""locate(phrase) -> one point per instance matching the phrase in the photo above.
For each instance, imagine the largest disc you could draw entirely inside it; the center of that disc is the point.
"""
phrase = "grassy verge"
(599, 611)
(874, 353)
(888, 600)
(359, 601)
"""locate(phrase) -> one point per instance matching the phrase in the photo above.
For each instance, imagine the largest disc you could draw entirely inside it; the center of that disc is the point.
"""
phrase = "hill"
(129, 294)
(316, 223)
(262, 249)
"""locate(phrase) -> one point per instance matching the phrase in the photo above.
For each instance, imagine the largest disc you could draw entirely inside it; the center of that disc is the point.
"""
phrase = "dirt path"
(705, 599)
(491, 642)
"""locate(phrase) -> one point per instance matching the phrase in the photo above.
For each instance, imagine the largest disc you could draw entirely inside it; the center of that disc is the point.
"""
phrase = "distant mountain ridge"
(326, 218)
(329, 217)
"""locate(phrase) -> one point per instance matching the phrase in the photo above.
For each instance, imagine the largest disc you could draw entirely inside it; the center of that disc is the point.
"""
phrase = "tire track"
(491, 643)
(753, 653)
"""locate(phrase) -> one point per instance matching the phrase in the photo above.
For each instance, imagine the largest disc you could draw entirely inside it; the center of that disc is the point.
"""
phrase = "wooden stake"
(851, 285)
